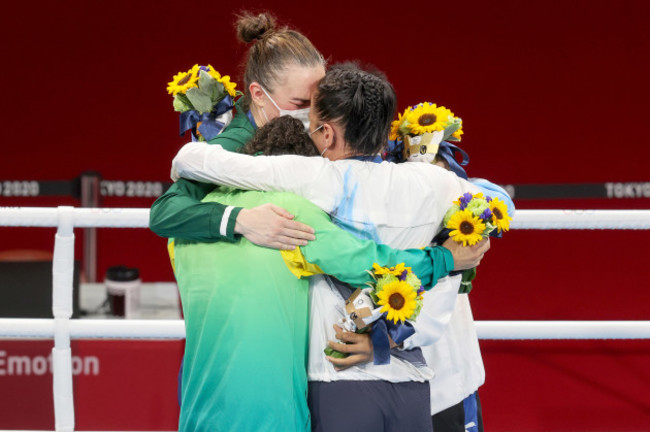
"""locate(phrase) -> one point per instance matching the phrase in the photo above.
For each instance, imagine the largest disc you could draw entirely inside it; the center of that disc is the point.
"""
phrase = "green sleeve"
(180, 213)
(346, 257)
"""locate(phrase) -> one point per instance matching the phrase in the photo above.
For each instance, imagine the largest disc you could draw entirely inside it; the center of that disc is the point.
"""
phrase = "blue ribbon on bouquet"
(448, 152)
(210, 126)
(379, 335)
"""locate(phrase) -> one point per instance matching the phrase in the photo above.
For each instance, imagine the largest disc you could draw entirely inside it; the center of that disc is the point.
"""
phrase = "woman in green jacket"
(282, 70)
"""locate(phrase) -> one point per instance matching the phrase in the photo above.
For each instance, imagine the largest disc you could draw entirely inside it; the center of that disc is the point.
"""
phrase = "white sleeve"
(310, 177)
(437, 308)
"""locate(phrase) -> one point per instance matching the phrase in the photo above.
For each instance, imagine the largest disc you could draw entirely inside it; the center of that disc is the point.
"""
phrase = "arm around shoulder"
(180, 213)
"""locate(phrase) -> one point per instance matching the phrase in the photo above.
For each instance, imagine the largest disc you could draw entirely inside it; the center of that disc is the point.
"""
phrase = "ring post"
(62, 276)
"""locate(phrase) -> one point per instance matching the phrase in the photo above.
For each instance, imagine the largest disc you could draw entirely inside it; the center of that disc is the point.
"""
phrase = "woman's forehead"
(299, 81)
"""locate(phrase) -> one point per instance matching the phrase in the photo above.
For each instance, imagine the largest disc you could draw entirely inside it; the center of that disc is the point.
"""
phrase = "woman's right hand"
(467, 257)
(271, 226)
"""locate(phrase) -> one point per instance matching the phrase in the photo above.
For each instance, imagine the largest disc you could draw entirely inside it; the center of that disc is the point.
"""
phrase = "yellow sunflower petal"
(500, 216)
(213, 73)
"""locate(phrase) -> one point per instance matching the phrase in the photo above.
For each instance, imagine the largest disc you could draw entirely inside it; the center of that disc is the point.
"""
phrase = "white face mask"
(300, 114)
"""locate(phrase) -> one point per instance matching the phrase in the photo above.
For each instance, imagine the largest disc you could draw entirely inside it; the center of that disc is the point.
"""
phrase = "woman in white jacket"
(401, 205)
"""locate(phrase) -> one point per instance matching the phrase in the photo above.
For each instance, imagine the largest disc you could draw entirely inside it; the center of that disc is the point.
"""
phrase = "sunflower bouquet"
(205, 100)
(426, 133)
(427, 117)
(470, 219)
(394, 297)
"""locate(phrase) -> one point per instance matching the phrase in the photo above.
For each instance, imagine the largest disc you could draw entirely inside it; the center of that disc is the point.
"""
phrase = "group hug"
(324, 247)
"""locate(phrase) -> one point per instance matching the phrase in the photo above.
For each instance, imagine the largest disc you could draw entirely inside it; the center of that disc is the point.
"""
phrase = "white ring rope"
(175, 329)
(581, 219)
(63, 329)
(94, 329)
(83, 217)
(139, 218)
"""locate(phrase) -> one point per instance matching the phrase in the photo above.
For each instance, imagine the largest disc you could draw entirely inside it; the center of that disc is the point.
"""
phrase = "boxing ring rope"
(63, 329)
(175, 329)
(139, 218)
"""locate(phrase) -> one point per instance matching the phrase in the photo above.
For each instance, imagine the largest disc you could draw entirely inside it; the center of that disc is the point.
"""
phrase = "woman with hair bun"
(281, 72)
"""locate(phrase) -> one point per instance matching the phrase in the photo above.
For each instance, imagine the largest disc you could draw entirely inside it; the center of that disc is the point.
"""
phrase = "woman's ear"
(257, 94)
(329, 136)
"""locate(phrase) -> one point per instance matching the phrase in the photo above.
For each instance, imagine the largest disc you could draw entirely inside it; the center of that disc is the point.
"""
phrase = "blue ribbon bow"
(448, 151)
(379, 335)
(210, 126)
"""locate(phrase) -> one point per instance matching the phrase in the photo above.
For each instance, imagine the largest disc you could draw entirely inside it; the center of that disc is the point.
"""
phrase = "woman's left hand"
(357, 346)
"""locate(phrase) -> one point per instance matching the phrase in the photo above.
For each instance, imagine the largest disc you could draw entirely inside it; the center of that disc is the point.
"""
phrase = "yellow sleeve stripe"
(170, 250)
(298, 265)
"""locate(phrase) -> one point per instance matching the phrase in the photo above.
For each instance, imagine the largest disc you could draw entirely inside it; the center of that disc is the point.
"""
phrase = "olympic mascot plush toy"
(360, 311)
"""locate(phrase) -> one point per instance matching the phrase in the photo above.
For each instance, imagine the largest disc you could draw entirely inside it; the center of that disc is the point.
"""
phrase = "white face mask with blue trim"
(300, 114)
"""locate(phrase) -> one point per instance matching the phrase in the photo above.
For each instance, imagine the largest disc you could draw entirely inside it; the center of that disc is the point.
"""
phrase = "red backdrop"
(550, 92)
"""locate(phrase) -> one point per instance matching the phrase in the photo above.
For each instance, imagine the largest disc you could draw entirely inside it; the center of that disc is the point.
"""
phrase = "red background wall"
(549, 91)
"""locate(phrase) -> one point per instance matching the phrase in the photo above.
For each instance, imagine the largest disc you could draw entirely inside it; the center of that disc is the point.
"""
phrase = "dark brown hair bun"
(254, 27)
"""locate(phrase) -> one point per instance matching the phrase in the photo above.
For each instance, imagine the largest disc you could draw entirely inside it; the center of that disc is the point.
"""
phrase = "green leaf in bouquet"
(218, 92)
(179, 106)
(333, 353)
(182, 103)
(205, 80)
(450, 129)
(374, 297)
(207, 84)
(200, 101)
(489, 227)
(453, 139)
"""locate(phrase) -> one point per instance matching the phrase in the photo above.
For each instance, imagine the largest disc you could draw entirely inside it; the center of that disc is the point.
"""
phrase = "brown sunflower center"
(396, 301)
(496, 212)
(184, 80)
(466, 227)
(427, 119)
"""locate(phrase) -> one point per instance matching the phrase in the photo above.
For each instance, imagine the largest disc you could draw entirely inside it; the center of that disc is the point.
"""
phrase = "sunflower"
(225, 79)
(398, 270)
(213, 73)
(398, 298)
(394, 127)
(195, 71)
(182, 82)
(466, 228)
(427, 117)
(500, 216)
(229, 86)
